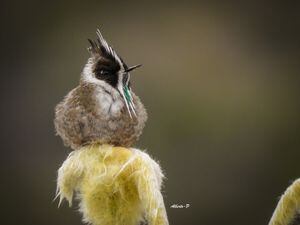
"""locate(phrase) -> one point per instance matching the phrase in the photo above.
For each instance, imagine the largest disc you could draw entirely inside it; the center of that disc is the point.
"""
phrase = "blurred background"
(220, 83)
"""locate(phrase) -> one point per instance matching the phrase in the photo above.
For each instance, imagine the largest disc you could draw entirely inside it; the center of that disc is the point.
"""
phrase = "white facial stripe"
(131, 99)
(128, 78)
(120, 87)
(132, 108)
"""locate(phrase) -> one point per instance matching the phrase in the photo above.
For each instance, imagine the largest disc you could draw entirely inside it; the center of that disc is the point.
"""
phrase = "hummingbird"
(102, 109)
(100, 120)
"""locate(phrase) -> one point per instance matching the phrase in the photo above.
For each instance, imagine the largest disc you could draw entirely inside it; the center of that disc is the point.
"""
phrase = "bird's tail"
(114, 185)
(288, 207)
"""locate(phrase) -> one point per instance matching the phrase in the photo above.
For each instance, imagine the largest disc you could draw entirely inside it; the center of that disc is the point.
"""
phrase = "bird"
(100, 120)
(102, 108)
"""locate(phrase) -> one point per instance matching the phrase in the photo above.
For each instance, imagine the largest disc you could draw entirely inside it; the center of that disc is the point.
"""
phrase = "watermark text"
(180, 206)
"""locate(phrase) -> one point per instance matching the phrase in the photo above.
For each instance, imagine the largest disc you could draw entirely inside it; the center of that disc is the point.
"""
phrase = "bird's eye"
(104, 72)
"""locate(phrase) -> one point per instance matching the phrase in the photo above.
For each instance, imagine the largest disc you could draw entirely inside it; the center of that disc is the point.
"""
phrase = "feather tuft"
(287, 210)
(114, 185)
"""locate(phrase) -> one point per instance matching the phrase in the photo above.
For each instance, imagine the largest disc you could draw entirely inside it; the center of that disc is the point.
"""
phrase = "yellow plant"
(115, 185)
(288, 206)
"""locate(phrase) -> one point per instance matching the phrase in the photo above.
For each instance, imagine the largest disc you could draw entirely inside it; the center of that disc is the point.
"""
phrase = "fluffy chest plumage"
(108, 105)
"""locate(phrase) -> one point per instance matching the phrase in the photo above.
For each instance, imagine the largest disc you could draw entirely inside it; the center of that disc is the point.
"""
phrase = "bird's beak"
(132, 68)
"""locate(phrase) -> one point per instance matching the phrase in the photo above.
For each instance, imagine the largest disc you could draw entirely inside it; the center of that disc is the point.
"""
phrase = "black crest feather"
(101, 47)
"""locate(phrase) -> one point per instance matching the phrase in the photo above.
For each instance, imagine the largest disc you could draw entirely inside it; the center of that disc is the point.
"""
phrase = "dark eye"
(107, 71)
(104, 72)
(107, 75)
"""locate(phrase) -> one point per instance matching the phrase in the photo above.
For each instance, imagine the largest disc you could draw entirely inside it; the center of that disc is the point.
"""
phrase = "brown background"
(220, 82)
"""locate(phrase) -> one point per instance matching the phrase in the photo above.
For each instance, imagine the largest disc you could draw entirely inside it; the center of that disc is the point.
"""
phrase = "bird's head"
(106, 69)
